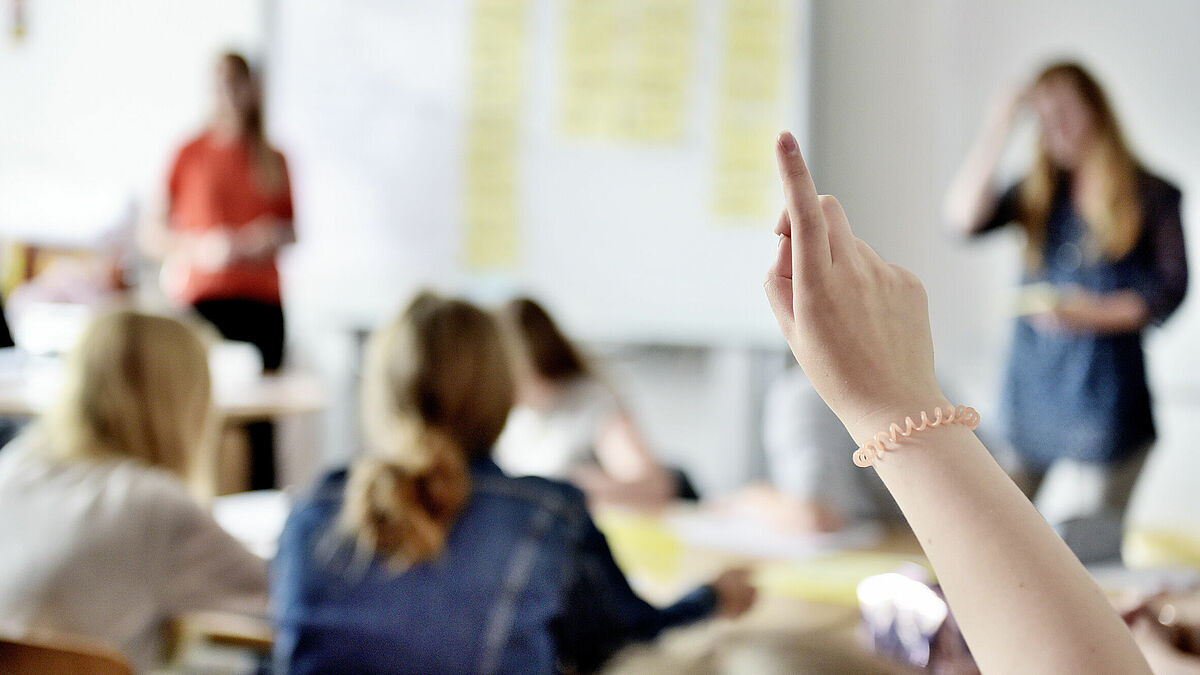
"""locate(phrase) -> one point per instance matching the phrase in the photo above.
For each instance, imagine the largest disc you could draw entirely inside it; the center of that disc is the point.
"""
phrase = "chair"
(42, 656)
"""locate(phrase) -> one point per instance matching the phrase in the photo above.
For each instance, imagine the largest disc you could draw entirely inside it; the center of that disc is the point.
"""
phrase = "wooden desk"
(804, 622)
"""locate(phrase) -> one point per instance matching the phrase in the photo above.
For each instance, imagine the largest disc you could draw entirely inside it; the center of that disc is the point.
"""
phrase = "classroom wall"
(94, 100)
(899, 91)
(898, 88)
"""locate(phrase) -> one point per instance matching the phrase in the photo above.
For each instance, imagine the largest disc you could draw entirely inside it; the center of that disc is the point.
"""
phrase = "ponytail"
(436, 394)
(402, 513)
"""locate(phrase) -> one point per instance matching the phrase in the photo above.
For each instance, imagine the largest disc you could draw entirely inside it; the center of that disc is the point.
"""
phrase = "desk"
(258, 399)
(804, 621)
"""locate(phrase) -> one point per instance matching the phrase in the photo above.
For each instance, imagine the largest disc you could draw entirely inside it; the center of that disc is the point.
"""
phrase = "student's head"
(540, 350)
(436, 394)
(239, 108)
(136, 386)
(1079, 136)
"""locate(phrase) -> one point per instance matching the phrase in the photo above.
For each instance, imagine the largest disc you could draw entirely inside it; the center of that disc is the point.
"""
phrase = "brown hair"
(436, 393)
(137, 386)
(267, 162)
(549, 351)
(1112, 210)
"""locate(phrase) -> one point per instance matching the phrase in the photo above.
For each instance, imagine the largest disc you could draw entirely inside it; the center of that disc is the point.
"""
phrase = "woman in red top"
(229, 213)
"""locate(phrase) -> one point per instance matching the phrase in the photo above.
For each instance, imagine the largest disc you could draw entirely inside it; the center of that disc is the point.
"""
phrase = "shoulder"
(153, 490)
(589, 393)
(1156, 189)
(561, 502)
(323, 499)
(195, 146)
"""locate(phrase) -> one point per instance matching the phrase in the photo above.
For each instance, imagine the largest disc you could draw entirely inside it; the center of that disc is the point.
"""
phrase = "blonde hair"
(137, 386)
(1111, 208)
(436, 393)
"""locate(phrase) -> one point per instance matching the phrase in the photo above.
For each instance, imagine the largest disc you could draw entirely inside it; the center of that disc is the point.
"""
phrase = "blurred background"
(610, 157)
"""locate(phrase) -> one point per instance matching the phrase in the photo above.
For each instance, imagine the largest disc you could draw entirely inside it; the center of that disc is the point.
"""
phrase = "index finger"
(810, 237)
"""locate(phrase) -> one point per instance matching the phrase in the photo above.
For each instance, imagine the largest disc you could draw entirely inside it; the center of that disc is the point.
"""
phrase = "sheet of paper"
(751, 105)
(626, 69)
(1034, 299)
(751, 537)
(491, 157)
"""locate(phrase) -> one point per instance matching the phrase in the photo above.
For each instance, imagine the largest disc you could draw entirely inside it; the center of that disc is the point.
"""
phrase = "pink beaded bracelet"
(872, 451)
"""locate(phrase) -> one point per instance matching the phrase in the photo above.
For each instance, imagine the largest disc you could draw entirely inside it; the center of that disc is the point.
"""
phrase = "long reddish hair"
(1110, 204)
(267, 162)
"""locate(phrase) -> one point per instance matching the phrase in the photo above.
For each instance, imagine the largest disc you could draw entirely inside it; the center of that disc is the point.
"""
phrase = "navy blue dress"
(1081, 395)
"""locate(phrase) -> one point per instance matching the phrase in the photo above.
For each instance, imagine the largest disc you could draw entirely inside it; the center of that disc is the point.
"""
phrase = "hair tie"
(872, 451)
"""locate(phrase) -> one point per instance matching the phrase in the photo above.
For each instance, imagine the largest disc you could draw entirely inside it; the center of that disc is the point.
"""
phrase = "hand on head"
(858, 326)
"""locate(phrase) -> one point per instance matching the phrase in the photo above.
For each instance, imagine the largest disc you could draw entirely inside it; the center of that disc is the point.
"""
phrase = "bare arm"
(1108, 313)
(628, 471)
(972, 194)
(860, 329)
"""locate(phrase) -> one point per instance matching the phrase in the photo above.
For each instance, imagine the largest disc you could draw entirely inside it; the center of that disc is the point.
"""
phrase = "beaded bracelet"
(872, 451)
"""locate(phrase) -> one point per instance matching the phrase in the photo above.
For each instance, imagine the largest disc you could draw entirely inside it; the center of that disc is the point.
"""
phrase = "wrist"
(880, 419)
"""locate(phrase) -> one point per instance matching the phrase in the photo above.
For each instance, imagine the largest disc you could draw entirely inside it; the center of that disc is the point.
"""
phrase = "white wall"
(899, 90)
(95, 98)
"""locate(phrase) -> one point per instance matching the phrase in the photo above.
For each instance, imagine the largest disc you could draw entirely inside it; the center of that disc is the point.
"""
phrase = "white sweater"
(111, 550)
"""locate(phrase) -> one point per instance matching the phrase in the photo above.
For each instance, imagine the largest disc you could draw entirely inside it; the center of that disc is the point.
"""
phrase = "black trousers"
(260, 324)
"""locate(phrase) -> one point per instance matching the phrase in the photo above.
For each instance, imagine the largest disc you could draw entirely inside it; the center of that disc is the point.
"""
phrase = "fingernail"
(788, 142)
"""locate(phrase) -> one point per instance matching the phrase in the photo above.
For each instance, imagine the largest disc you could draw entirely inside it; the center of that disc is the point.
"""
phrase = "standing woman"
(1104, 242)
(229, 213)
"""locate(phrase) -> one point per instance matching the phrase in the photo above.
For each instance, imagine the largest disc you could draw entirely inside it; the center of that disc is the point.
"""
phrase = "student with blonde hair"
(101, 537)
(426, 557)
(1104, 244)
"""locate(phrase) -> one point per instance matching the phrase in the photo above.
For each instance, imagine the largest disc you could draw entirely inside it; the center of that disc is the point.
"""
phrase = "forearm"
(972, 192)
(1118, 312)
(652, 490)
(261, 239)
(1010, 579)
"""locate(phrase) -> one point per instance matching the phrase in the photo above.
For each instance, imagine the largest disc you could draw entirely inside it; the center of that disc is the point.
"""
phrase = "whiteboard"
(368, 99)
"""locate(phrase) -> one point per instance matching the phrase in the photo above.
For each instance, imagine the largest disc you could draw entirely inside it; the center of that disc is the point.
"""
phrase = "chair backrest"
(60, 655)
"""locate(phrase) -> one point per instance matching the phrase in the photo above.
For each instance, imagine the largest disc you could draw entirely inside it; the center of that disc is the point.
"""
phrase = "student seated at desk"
(425, 557)
(101, 538)
(570, 425)
(812, 487)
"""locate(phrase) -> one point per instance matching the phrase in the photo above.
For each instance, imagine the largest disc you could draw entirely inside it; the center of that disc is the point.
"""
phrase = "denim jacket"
(526, 584)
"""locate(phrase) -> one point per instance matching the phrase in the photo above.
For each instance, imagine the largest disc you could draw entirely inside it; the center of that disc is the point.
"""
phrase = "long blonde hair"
(436, 393)
(137, 386)
(1111, 208)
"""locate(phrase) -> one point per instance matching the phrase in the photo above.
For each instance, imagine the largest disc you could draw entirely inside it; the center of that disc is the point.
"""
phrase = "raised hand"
(858, 326)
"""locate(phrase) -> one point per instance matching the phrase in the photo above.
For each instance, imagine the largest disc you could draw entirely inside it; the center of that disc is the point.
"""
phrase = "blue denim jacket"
(526, 584)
